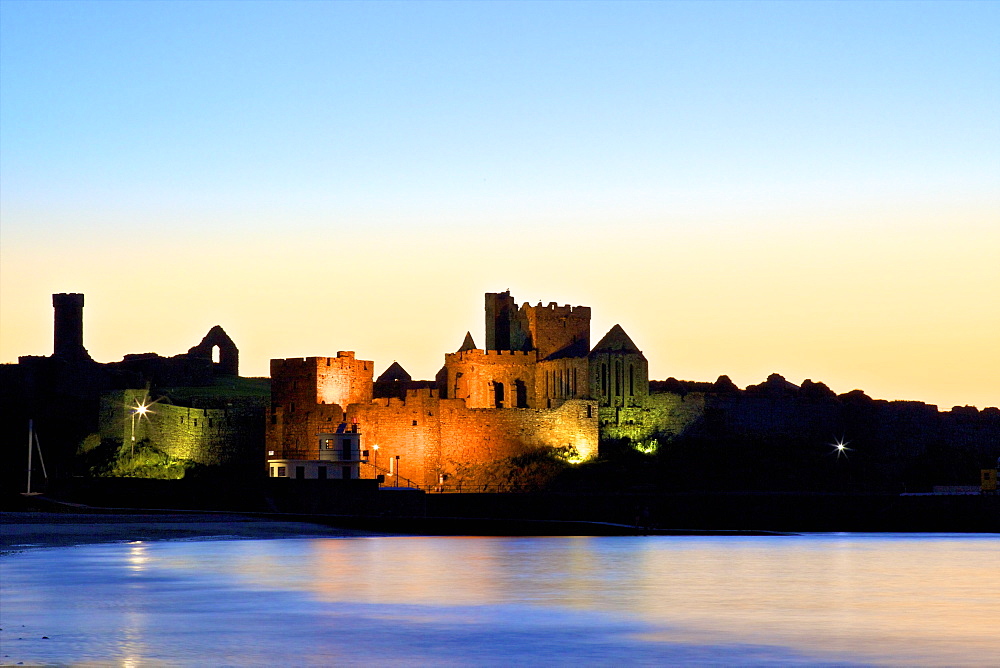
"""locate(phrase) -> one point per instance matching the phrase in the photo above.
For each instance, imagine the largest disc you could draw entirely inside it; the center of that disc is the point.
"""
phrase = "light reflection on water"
(852, 598)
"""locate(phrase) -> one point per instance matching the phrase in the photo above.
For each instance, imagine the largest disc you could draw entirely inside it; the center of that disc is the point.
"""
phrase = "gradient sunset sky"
(811, 189)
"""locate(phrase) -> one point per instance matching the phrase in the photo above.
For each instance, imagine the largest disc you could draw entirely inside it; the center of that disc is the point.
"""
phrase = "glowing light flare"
(840, 447)
(647, 447)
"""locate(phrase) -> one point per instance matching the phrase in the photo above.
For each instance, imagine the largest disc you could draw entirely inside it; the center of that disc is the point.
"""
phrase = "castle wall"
(409, 428)
(344, 380)
(558, 330)
(292, 433)
(435, 436)
(209, 436)
(658, 415)
(473, 437)
(340, 380)
(474, 375)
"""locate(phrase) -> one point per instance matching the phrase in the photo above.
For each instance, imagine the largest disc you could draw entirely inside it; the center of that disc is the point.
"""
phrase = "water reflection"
(836, 598)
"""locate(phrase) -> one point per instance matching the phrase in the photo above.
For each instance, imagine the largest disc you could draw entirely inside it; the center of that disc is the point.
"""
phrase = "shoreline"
(28, 530)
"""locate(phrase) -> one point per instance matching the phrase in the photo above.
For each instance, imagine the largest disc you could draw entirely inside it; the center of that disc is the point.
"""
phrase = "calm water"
(899, 599)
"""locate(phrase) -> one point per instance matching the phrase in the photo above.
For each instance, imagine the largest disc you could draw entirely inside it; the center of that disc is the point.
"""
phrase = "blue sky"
(584, 152)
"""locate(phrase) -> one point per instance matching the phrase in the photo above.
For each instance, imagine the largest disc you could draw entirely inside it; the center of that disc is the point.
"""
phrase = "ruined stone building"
(76, 402)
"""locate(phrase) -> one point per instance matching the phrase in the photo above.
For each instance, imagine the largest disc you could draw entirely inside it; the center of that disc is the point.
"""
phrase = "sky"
(803, 188)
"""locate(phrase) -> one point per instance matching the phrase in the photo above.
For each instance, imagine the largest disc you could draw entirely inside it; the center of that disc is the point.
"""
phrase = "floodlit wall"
(208, 436)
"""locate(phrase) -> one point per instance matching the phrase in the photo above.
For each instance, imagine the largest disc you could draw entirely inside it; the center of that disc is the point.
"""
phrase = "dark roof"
(394, 373)
(468, 343)
(616, 341)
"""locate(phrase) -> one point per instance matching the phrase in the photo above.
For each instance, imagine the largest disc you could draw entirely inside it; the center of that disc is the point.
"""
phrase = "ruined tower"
(68, 334)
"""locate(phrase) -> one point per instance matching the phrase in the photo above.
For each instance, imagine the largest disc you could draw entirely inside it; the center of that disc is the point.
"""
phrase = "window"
(345, 447)
(345, 473)
(414, 423)
(321, 473)
(300, 472)
(590, 411)
(282, 472)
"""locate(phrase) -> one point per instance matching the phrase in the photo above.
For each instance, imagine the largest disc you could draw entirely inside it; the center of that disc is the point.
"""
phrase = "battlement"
(491, 356)
(291, 364)
(67, 299)
(562, 311)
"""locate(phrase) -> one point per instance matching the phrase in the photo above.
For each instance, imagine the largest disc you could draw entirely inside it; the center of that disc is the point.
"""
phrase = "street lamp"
(375, 456)
(397, 470)
(140, 409)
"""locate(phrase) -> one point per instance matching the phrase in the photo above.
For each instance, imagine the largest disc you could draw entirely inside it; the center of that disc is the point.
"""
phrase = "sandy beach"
(26, 530)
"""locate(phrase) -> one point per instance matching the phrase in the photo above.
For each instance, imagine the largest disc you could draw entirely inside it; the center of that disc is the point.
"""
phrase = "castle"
(536, 384)
(536, 392)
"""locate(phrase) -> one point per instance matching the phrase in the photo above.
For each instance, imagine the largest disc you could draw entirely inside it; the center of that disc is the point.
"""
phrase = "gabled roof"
(394, 373)
(616, 341)
(468, 343)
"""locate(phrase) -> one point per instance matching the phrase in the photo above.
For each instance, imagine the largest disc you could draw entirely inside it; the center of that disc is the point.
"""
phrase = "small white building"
(340, 458)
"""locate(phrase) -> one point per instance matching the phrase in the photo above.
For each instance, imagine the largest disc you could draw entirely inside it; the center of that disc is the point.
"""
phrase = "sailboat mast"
(31, 444)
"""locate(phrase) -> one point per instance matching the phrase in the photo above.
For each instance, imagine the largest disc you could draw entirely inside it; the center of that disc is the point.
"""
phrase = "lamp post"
(397, 470)
(375, 456)
(140, 409)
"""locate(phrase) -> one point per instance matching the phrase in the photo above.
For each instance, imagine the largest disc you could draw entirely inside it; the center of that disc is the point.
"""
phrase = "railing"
(378, 470)
(459, 488)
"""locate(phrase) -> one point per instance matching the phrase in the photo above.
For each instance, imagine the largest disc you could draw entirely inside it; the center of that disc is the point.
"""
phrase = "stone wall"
(340, 380)
(434, 436)
(209, 436)
(659, 415)
(558, 331)
(473, 375)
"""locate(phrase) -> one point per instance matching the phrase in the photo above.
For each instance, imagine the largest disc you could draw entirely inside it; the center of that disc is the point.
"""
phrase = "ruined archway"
(229, 354)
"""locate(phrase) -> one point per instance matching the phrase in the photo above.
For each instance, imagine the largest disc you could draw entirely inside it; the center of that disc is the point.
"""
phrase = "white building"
(340, 458)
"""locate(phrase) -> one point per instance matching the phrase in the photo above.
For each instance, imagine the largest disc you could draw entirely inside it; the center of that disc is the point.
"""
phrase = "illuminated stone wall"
(434, 436)
(473, 374)
(209, 436)
(658, 415)
(340, 380)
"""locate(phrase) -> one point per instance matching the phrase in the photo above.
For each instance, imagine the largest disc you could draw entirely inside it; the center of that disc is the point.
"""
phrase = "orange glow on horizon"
(902, 310)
